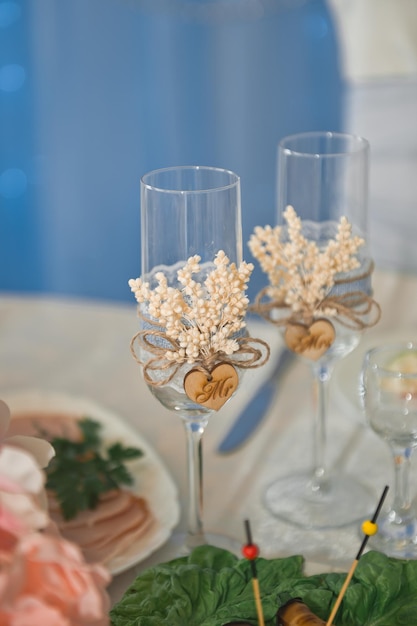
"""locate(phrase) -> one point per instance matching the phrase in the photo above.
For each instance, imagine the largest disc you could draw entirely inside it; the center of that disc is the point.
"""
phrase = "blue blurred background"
(94, 93)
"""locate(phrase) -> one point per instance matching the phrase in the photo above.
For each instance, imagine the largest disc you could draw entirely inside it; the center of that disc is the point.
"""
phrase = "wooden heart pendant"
(212, 389)
(310, 341)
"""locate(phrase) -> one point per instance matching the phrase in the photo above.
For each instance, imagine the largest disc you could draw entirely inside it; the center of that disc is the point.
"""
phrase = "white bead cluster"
(200, 318)
(301, 274)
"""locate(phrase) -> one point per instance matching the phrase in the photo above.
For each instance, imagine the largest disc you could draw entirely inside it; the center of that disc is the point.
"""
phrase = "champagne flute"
(389, 395)
(322, 179)
(188, 211)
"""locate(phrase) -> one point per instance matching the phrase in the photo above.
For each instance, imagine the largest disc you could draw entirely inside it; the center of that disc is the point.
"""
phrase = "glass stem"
(322, 373)
(195, 531)
(401, 505)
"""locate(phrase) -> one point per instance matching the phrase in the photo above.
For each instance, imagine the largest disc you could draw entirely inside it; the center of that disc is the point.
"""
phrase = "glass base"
(340, 502)
(399, 541)
(178, 545)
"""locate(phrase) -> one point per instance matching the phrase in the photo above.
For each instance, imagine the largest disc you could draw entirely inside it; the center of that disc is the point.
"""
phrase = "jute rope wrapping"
(353, 309)
(157, 343)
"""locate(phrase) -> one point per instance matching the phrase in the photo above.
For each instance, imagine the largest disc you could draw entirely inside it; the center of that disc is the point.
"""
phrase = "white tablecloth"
(82, 348)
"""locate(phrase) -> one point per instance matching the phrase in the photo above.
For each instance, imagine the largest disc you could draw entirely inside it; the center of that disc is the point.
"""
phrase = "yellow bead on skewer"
(369, 528)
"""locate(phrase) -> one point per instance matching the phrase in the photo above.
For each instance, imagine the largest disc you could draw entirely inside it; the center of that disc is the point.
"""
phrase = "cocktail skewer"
(369, 528)
(250, 551)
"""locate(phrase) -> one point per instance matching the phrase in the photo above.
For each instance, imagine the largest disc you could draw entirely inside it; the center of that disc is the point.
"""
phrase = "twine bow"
(353, 309)
(157, 343)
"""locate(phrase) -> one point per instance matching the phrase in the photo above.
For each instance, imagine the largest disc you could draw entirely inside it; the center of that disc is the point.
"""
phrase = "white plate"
(152, 480)
(347, 372)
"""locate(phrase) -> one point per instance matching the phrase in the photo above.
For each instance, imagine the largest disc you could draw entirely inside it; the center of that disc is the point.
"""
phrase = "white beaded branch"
(300, 273)
(200, 318)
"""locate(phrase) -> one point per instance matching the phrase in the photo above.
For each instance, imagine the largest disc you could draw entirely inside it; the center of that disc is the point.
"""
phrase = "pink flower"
(44, 579)
(48, 582)
(22, 481)
(21, 489)
(11, 528)
(37, 447)
(31, 611)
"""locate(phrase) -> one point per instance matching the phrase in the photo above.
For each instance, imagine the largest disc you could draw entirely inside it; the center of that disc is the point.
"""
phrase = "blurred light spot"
(12, 77)
(9, 12)
(13, 183)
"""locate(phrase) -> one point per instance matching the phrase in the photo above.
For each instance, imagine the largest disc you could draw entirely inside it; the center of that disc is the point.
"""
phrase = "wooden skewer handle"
(342, 592)
(258, 603)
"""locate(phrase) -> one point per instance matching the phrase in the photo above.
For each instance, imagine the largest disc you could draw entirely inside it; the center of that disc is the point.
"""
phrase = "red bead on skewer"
(250, 551)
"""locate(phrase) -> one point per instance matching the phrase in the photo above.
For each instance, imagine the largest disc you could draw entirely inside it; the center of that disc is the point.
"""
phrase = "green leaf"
(208, 588)
(382, 592)
(212, 587)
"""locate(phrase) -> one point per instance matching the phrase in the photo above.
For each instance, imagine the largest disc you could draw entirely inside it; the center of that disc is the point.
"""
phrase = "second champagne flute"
(320, 296)
(193, 344)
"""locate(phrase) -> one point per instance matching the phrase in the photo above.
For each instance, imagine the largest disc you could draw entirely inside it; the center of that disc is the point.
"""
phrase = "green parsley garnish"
(83, 470)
